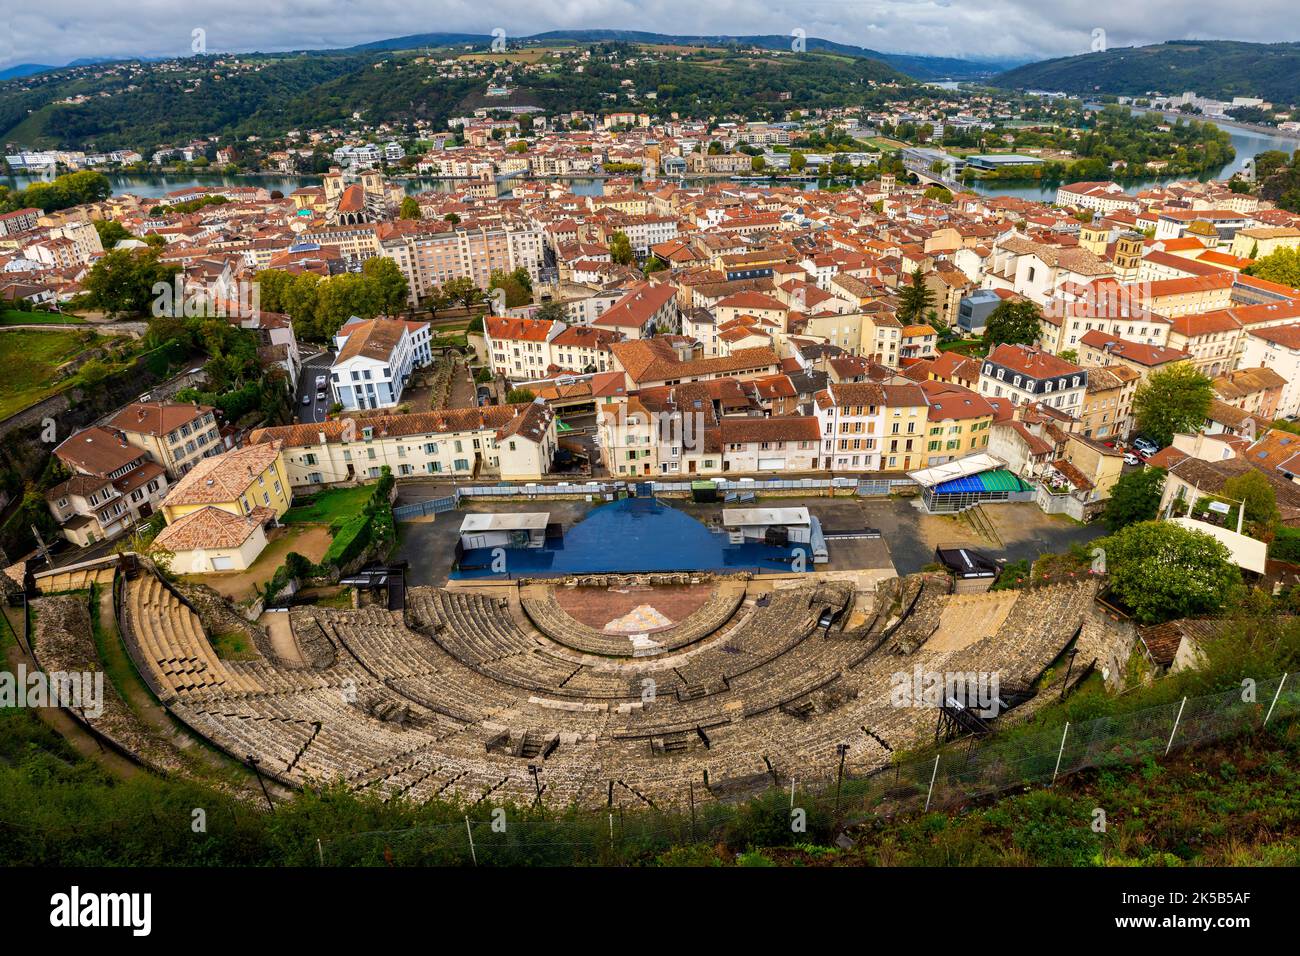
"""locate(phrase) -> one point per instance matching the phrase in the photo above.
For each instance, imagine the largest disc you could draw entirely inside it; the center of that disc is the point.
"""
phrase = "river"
(1248, 143)
(156, 185)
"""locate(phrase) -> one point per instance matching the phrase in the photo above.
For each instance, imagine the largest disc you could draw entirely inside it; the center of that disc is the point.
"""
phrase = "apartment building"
(509, 442)
(1277, 348)
(1108, 402)
(1023, 373)
(114, 484)
(957, 421)
(1099, 348)
(865, 426)
(175, 436)
(433, 253)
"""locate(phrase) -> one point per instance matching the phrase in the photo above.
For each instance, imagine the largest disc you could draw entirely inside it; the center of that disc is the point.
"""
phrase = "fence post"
(472, 855)
(1060, 753)
(1175, 730)
(933, 773)
(1276, 695)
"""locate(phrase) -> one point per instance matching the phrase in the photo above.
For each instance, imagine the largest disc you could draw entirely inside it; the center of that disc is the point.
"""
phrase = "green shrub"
(349, 542)
(1286, 545)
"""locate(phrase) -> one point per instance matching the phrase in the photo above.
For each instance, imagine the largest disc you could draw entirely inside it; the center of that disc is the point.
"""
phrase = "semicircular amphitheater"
(615, 688)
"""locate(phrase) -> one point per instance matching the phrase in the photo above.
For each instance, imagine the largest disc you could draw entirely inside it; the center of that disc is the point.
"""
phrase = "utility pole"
(41, 546)
(842, 750)
(253, 762)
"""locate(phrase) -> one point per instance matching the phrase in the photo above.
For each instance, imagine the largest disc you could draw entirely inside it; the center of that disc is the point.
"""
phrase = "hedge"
(352, 537)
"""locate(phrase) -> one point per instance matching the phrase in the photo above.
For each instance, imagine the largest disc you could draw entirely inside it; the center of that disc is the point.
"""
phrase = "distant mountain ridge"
(20, 70)
(1219, 68)
(917, 66)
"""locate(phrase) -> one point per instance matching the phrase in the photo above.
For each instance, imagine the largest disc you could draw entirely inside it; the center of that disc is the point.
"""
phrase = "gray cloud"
(64, 30)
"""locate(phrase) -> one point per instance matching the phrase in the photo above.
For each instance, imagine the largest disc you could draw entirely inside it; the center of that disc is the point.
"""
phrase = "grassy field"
(233, 646)
(15, 317)
(324, 507)
(29, 361)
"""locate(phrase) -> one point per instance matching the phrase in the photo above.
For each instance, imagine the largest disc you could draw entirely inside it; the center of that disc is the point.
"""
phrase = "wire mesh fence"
(956, 774)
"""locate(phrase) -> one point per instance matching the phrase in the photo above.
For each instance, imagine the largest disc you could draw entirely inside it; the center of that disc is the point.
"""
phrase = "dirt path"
(84, 743)
(283, 642)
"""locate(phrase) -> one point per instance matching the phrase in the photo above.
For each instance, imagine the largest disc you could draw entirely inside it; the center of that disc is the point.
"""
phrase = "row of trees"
(319, 305)
(74, 189)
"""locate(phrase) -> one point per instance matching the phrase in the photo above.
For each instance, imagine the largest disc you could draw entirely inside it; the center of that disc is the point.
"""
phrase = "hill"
(916, 66)
(142, 105)
(1219, 68)
(24, 69)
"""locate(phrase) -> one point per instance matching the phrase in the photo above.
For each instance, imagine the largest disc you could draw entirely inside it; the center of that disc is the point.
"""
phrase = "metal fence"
(419, 509)
(956, 774)
(509, 490)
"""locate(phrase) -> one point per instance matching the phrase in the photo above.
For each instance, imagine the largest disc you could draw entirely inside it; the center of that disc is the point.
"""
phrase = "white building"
(375, 360)
(1023, 373)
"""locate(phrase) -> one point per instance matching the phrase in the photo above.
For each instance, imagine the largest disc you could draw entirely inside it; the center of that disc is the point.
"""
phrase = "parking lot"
(907, 542)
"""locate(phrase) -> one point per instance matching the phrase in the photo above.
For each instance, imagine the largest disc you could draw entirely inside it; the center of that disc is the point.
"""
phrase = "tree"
(1135, 497)
(389, 285)
(410, 209)
(463, 290)
(1070, 355)
(517, 293)
(122, 281)
(620, 248)
(797, 162)
(1161, 571)
(757, 164)
(1171, 400)
(1260, 501)
(553, 311)
(1013, 322)
(1282, 266)
(111, 232)
(436, 299)
(914, 299)
(939, 194)
(340, 297)
(519, 396)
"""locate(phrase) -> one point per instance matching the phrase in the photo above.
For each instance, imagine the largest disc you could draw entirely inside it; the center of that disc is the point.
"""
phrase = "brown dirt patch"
(596, 607)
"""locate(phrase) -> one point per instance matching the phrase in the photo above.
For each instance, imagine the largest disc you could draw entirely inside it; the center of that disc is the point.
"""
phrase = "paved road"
(313, 411)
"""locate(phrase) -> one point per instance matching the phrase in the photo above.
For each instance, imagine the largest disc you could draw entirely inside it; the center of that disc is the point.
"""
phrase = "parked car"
(320, 396)
(1143, 444)
(1131, 459)
(306, 399)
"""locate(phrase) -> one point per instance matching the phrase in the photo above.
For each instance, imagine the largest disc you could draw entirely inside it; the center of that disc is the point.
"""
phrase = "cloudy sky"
(57, 31)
